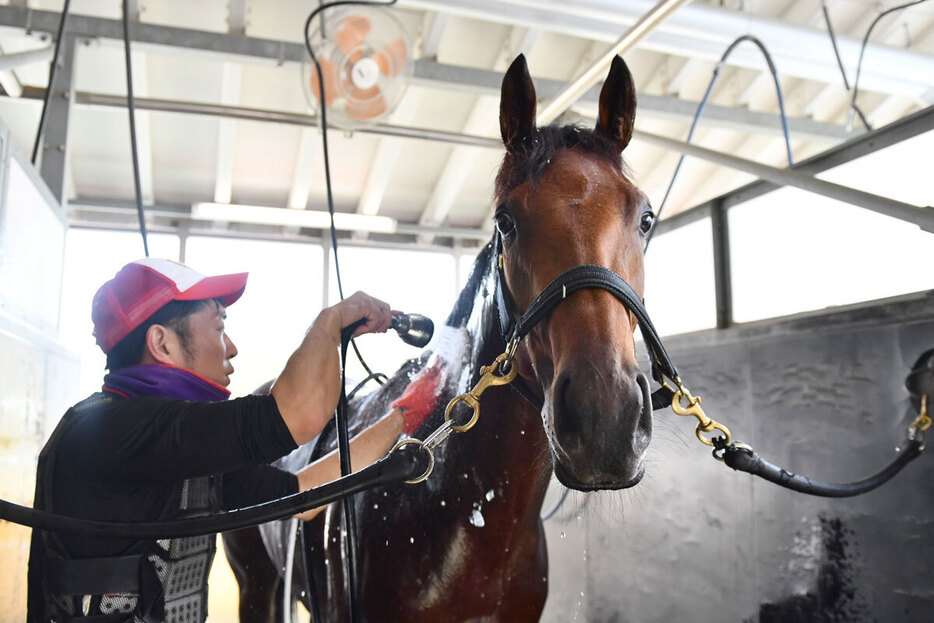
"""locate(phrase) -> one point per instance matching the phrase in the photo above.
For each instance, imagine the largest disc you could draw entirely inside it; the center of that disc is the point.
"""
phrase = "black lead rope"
(746, 460)
(736, 455)
(395, 468)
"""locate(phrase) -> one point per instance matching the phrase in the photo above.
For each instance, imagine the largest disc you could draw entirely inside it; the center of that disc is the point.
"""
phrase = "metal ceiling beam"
(923, 217)
(143, 129)
(236, 16)
(267, 116)
(460, 163)
(868, 143)
(429, 74)
(387, 151)
(182, 213)
(704, 31)
(300, 189)
(227, 135)
(594, 74)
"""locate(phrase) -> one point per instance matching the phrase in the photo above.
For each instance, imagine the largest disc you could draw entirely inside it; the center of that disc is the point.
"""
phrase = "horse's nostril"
(565, 422)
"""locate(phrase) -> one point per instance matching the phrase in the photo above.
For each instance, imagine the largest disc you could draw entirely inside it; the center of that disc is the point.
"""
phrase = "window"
(282, 298)
(679, 280)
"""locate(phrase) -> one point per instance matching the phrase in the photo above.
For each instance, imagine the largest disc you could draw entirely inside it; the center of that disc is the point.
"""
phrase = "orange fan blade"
(366, 103)
(333, 86)
(391, 58)
(350, 33)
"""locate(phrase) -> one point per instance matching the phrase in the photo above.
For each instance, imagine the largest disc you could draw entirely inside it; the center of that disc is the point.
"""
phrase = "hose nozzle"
(414, 329)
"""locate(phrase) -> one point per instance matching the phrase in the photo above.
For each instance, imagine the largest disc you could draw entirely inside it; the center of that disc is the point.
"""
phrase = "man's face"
(210, 350)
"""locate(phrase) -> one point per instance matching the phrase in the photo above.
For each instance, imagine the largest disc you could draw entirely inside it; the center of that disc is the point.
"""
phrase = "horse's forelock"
(527, 161)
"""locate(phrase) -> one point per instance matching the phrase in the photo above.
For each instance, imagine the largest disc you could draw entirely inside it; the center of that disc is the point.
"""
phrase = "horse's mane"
(468, 296)
(528, 160)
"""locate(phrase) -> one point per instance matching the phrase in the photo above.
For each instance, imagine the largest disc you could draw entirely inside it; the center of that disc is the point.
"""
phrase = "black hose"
(131, 107)
(703, 105)
(48, 89)
(397, 467)
(836, 53)
(862, 49)
(746, 460)
(349, 514)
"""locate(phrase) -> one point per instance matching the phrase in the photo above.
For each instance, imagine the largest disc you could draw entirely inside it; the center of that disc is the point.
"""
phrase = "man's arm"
(369, 446)
(308, 389)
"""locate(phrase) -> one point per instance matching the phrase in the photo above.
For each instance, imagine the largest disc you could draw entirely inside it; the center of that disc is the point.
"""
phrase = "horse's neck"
(505, 453)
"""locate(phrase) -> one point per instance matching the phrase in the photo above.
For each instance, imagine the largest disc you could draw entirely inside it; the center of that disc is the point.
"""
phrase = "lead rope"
(738, 455)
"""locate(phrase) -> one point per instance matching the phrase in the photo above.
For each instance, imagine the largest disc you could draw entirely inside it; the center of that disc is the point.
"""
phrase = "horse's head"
(564, 199)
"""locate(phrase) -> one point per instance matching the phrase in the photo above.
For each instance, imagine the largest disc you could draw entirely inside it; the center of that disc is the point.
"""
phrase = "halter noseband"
(514, 327)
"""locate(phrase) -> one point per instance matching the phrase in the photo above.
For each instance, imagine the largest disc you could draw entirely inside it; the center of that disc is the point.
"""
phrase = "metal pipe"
(592, 75)
(923, 217)
(183, 213)
(258, 114)
(17, 59)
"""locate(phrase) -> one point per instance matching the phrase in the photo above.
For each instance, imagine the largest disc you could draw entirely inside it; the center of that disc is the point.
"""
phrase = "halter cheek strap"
(586, 276)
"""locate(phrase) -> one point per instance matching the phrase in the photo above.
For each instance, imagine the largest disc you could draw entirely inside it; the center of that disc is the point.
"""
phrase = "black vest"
(162, 581)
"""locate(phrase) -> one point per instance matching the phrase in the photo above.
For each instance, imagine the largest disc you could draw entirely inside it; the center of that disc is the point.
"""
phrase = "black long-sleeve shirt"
(124, 460)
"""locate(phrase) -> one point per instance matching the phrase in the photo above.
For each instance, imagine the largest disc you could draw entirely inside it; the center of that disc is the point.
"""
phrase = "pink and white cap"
(142, 287)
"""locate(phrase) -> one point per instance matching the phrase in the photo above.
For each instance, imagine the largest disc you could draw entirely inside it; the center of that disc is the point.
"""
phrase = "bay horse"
(468, 544)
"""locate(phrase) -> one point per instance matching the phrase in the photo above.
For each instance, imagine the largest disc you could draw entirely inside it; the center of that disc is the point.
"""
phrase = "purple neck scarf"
(163, 381)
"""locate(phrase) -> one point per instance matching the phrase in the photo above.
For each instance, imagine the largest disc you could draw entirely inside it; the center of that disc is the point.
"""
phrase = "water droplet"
(387, 542)
(375, 506)
(303, 593)
(443, 503)
(564, 535)
(582, 593)
(411, 539)
(521, 432)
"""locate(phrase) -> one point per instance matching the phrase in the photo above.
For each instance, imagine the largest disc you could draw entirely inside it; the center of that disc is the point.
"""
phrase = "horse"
(468, 543)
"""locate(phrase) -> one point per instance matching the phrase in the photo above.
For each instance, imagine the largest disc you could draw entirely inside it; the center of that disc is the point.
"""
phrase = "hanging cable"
(836, 53)
(343, 442)
(324, 144)
(131, 107)
(48, 89)
(703, 105)
(862, 49)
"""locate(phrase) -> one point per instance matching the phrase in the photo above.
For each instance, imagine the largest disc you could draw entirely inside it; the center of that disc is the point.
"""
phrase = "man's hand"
(378, 314)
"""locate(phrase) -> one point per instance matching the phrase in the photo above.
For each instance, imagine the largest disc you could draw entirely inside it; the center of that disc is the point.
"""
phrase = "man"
(161, 442)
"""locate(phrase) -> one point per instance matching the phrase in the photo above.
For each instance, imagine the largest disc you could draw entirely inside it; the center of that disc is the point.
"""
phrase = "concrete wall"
(37, 376)
(821, 394)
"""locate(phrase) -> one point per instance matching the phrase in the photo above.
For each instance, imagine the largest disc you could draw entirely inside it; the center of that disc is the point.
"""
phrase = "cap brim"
(227, 287)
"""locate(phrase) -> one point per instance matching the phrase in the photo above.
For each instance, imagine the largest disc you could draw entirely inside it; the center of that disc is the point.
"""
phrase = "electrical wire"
(131, 107)
(862, 49)
(343, 442)
(703, 105)
(324, 143)
(48, 89)
(836, 52)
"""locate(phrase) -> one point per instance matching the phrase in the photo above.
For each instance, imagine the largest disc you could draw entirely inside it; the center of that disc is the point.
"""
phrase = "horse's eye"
(646, 221)
(504, 224)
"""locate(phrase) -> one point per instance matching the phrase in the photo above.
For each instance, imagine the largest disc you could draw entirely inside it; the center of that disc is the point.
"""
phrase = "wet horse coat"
(468, 543)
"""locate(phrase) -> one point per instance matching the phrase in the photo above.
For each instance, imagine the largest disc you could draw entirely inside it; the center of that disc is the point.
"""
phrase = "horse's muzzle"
(600, 430)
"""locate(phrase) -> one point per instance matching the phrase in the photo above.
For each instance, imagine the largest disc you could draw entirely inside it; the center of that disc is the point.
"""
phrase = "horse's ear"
(517, 104)
(618, 104)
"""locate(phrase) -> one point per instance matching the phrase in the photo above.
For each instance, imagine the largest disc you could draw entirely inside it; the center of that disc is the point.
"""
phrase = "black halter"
(514, 327)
